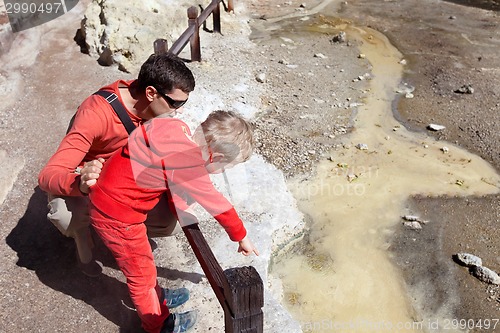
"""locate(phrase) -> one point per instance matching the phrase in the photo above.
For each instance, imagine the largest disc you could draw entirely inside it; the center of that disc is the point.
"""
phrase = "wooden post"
(245, 299)
(240, 290)
(160, 46)
(216, 16)
(230, 6)
(194, 41)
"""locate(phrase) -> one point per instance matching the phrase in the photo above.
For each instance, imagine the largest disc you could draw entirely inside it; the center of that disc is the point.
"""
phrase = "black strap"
(112, 99)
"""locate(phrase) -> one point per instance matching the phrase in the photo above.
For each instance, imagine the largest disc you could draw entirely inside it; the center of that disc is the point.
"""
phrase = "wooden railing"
(239, 290)
(192, 33)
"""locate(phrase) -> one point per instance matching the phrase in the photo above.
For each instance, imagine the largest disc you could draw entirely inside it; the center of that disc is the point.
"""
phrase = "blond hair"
(228, 133)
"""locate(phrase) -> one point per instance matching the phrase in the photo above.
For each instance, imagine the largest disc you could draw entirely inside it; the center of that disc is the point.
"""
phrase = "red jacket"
(96, 132)
(132, 180)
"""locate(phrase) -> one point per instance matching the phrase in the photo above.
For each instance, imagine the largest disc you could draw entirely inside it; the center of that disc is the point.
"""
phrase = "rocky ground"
(305, 110)
(448, 47)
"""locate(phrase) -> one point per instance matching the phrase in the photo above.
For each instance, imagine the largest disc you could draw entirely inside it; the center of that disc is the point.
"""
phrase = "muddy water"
(346, 282)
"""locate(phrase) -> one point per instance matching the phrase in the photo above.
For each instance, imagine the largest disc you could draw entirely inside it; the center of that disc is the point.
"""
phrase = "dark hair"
(165, 71)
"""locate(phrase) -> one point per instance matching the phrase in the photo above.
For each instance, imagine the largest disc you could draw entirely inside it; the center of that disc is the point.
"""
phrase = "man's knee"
(172, 228)
(68, 214)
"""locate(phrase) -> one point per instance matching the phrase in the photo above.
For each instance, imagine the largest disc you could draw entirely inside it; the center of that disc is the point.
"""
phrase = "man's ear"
(150, 92)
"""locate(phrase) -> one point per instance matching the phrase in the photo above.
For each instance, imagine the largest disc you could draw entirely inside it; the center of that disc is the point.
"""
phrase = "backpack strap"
(114, 101)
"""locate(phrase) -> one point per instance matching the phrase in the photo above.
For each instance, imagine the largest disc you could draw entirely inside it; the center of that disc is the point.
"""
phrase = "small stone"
(465, 89)
(445, 150)
(435, 127)
(361, 56)
(485, 274)
(320, 55)
(287, 40)
(261, 77)
(340, 38)
(351, 177)
(362, 146)
(452, 17)
(403, 62)
(413, 225)
(469, 260)
(410, 217)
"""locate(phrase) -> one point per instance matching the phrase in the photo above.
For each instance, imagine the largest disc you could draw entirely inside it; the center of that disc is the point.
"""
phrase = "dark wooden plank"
(207, 260)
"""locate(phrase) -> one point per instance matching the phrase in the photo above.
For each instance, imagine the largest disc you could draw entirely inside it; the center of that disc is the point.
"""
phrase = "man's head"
(226, 139)
(166, 82)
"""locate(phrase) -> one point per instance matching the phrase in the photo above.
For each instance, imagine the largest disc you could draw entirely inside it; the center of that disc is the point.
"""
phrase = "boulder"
(122, 32)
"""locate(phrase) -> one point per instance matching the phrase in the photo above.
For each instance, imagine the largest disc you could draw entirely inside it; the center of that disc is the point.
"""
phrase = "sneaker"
(91, 269)
(175, 297)
(179, 322)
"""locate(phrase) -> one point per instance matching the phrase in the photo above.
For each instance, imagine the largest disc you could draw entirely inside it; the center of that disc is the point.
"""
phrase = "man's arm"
(60, 175)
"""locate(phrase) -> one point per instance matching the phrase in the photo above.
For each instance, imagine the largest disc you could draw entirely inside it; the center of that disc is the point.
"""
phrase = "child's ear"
(217, 157)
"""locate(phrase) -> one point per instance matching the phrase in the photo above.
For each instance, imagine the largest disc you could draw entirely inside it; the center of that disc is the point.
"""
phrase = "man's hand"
(89, 174)
(246, 247)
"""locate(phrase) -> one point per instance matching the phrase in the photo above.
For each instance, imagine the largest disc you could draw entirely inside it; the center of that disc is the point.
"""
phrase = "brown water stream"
(346, 281)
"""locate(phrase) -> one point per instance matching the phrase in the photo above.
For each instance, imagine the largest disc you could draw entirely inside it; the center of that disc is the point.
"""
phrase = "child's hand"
(246, 247)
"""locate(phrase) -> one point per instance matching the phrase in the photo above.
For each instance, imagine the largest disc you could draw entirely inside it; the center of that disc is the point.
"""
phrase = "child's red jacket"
(132, 180)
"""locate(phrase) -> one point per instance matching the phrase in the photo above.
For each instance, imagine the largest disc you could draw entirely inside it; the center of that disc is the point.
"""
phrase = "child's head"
(226, 139)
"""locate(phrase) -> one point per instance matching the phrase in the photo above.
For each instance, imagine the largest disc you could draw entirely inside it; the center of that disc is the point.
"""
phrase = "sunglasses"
(172, 102)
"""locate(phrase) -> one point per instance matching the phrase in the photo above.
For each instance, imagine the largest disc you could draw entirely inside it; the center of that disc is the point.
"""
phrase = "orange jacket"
(96, 132)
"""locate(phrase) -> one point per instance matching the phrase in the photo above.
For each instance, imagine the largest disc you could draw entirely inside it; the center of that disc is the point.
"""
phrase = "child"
(162, 157)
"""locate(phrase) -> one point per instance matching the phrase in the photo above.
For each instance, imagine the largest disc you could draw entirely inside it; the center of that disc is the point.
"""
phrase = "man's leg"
(70, 216)
(161, 222)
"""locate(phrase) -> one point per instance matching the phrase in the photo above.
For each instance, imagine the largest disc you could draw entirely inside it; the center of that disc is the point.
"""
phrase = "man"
(95, 133)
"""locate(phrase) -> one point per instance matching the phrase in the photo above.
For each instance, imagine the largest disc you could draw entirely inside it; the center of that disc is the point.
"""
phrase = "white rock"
(445, 150)
(320, 55)
(362, 146)
(261, 77)
(435, 127)
(115, 34)
(413, 225)
(469, 260)
(485, 274)
(410, 217)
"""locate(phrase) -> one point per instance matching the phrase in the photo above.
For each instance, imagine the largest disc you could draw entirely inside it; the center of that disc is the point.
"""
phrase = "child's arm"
(247, 247)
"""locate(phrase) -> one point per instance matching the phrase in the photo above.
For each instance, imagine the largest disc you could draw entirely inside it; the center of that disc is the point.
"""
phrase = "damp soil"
(447, 46)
